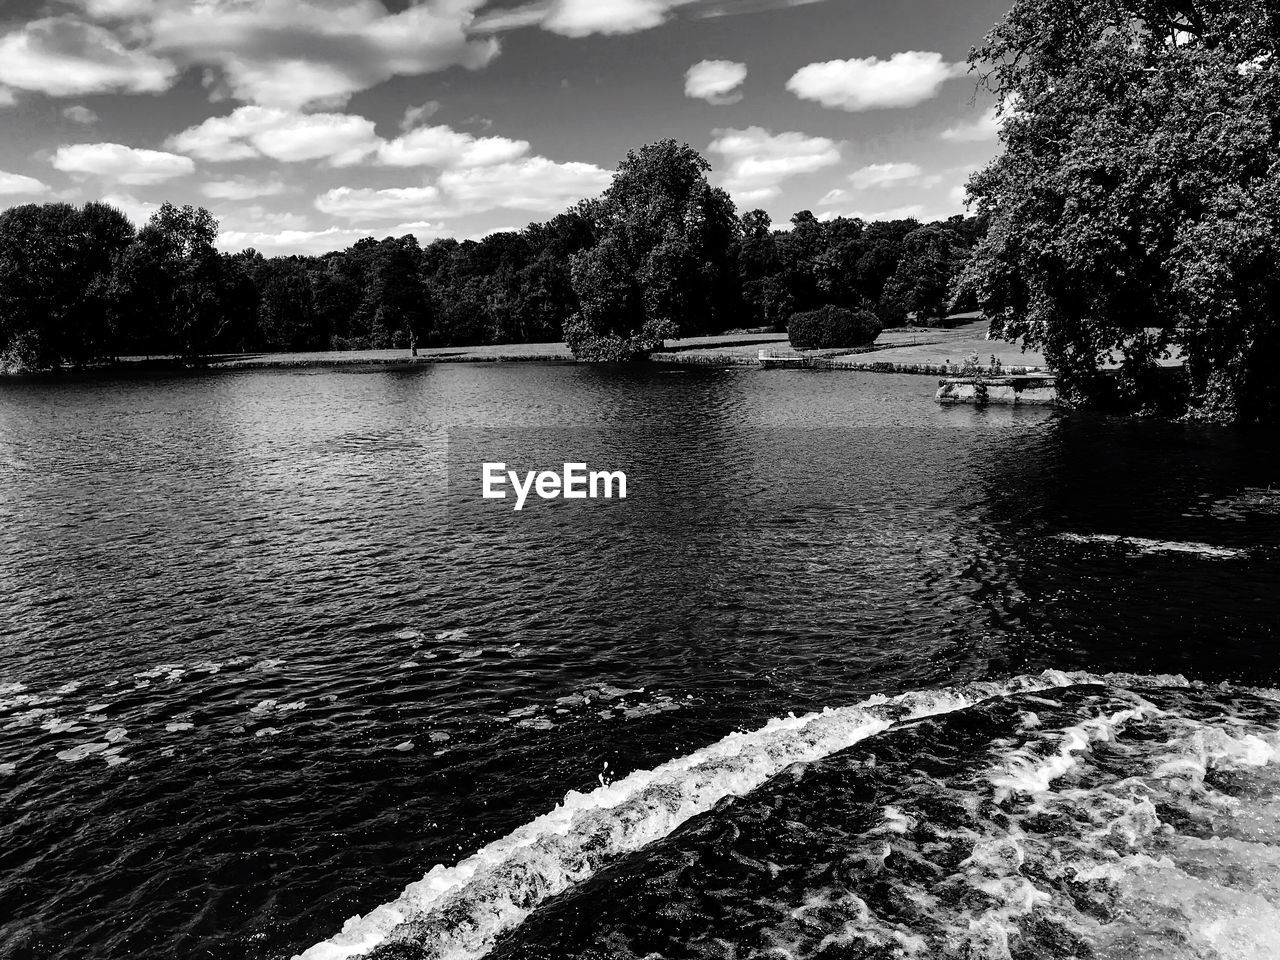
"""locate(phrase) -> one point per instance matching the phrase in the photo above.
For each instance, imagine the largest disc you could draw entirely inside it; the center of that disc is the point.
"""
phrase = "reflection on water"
(266, 661)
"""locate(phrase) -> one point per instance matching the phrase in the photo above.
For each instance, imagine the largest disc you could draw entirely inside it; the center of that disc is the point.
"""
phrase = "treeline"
(661, 254)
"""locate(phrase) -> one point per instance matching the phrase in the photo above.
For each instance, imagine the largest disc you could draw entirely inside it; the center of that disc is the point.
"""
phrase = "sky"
(304, 125)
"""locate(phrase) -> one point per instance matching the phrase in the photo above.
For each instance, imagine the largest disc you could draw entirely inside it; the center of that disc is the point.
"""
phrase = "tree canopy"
(1135, 209)
(661, 254)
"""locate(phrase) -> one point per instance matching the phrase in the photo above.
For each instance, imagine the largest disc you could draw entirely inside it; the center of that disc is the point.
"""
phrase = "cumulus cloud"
(340, 139)
(413, 116)
(78, 113)
(139, 211)
(881, 175)
(297, 53)
(903, 80)
(444, 147)
(914, 211)
(581, 18)
(65, 57)
(533, 184)
(252, 132)
(758, 160)
(985, 127)
(716, 81)
(127, 165)
(17, 185)
(304, 241)
(242, 188)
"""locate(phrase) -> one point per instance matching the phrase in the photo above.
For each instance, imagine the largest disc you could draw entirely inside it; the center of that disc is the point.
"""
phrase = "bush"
(829, 327)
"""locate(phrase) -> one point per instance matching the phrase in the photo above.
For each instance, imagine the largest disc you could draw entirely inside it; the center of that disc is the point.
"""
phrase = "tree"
(57, 287)
(1136, 206)
(663, 264)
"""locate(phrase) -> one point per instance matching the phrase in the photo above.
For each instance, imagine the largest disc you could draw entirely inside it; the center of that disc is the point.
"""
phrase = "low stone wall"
(1033, 391)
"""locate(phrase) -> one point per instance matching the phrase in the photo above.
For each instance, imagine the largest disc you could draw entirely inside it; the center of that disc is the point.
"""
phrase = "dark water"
(266, 658)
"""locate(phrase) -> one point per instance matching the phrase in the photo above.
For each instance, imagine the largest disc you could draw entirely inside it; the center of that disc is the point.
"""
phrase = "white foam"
(1143, 545)
(561, 848)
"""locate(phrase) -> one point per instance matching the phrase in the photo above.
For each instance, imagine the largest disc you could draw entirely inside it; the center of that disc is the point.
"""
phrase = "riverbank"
(931, 352)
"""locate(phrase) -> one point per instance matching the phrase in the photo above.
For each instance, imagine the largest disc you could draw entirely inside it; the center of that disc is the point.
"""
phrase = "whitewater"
(461, 911)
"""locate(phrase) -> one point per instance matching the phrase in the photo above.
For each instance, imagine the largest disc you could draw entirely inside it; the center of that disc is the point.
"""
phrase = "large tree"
(58, 292)
(663, 265)
(1135, 210)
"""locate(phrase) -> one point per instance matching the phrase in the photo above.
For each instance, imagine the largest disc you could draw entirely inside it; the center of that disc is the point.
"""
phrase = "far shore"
(923, 350)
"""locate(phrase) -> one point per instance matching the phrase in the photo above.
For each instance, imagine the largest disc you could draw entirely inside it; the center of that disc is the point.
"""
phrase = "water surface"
(266, 657)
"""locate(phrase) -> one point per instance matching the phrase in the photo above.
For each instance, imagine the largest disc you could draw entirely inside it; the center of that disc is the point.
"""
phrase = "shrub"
(829, 327)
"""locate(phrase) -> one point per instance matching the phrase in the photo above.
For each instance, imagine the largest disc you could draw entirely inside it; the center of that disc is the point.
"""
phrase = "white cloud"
(7, 97)
(758, 160)
(882, 175)
(341, 139)
(139, 211)
(17, 185)
(78, 113)
(64, 57)
(252, 132)
(444, 147)
(833, 196)
(958, 194)
(904, 80)
(388, 203)
(242, 188)
(580, 18)
(127, 165)
(914, 211)
(415, 115)
(534, 184)
(716, 81)
(296, 53)
(985, 127)
(116, 9)
(301, 241)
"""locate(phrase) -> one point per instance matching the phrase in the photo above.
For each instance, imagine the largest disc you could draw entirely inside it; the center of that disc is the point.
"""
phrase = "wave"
(1146, 546)
(459, 911)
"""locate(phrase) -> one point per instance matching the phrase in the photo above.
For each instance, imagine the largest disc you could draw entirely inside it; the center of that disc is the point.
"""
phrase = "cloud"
(80, 114)
(581, 18)
(127, 165)
(985, 127)
(415, 115)
(64, 57)
(904, 80)
(367, 203)
(881, 175)
(285, 242)
(759, 159)
(16, 185)
(914, 211)
(252, 132)
(242, 188)
(445, 147)
(716, 81)
(7, 97)
(139, 211)
(298, 53)
(341, 139)
(533, 184)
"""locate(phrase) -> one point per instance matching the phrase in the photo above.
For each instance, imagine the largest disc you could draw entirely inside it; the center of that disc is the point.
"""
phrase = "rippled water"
(266, 658)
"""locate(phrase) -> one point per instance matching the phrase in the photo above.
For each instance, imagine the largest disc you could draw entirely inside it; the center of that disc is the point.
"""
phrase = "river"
(267, 658)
